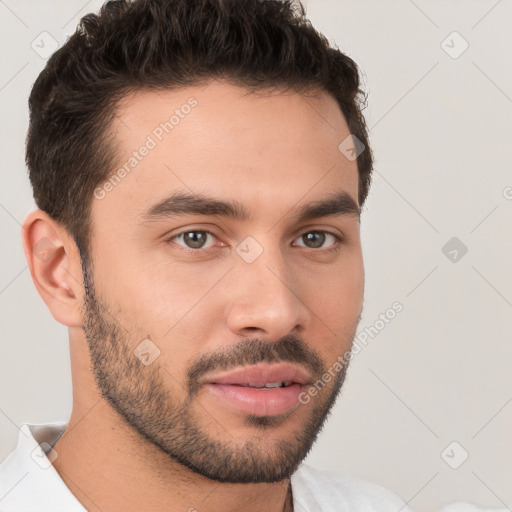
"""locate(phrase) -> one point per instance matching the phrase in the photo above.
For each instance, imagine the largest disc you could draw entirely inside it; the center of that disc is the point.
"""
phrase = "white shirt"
(30, 483)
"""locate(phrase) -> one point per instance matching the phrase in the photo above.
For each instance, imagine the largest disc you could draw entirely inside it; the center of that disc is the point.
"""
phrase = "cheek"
(337, 292)
(335, 300)
(171, 303)
(176, 291)
(155, 289)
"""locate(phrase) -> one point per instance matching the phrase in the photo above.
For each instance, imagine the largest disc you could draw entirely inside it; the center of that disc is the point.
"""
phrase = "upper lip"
(261, 374)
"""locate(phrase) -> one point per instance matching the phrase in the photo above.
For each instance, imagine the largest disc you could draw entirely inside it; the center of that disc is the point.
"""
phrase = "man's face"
(188, 314)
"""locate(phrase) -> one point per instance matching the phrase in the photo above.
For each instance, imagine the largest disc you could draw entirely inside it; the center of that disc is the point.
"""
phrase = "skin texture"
(150, 437)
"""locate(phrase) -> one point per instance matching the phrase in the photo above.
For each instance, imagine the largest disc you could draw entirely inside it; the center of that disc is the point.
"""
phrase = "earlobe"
(54, 265)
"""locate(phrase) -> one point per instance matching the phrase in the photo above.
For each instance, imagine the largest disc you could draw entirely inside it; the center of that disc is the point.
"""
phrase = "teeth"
(279, 384)
(274, 384)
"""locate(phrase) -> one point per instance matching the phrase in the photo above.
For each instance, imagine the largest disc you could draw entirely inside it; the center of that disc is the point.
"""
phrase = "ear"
(54, 262)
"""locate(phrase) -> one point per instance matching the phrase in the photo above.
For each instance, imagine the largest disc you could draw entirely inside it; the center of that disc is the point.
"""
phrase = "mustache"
(251, 351)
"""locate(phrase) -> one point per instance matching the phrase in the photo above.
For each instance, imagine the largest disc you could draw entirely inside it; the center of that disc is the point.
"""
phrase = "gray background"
(441, 131)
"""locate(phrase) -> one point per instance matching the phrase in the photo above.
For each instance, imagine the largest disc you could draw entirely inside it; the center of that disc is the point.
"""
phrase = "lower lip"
(258, 401)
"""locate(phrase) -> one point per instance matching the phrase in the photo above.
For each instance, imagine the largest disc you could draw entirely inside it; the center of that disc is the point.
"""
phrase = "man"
(203, 366)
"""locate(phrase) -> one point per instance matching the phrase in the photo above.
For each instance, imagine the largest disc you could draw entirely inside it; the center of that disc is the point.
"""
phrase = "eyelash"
(334, 248)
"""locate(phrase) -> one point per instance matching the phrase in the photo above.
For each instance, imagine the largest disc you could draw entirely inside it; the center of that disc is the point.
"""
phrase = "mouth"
(267, 385)
(260, 390)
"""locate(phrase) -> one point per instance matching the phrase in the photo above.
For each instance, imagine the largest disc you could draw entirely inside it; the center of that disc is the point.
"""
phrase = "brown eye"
(316, 239)
(193, 239)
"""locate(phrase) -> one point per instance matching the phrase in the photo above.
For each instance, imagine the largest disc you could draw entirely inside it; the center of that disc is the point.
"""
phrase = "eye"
(317, 239)
(193, 239)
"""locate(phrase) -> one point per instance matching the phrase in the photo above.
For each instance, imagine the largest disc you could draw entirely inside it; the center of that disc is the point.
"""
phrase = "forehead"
(224, 141)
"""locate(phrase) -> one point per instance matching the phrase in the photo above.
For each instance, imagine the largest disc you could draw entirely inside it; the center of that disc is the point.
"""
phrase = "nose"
(266, 299)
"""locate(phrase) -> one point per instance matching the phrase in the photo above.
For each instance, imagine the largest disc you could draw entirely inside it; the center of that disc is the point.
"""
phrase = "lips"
(261, 375)
(260, 390)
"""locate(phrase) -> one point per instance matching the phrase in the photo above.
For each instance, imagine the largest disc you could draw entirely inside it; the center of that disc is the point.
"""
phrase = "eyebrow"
(336, 204)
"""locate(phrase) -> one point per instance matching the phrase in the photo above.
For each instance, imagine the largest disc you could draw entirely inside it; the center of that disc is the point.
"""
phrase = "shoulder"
(334, 491)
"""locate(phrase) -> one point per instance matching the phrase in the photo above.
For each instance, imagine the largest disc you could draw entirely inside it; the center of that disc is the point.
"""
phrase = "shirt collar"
(28, 480)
